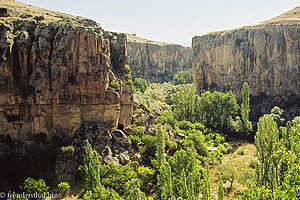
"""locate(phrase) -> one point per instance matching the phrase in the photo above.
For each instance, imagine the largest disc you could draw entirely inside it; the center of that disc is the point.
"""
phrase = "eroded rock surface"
(55, 71)
(267, 56)
(156, 61)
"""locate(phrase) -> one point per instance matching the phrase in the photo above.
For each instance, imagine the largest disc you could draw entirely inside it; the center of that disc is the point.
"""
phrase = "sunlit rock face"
(55, 72)
(157, 61)
(267, 56)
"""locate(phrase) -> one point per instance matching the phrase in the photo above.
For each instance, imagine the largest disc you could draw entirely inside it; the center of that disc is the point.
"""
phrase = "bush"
(126, 68)
(150, 144)
(133, 191)
(31, 186)
(139, 120)
(135, 140)
(68, 150)
(140, 85)
(138, 111)
(183, 77)
(115, 84)
(137, 130)
(64, 187)
(101, 193)
(115, 177)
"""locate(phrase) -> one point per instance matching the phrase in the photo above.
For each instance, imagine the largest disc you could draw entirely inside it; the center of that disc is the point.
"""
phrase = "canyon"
(55, 72)
(157, 61)
(266, 55)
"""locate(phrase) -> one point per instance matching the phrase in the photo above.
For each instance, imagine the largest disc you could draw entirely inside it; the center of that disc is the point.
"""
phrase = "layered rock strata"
(267, 56)
(55, 73)
(156, 61)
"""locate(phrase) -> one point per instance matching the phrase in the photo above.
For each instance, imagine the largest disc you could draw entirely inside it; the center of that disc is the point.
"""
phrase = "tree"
(266, 142)
(228, 174)
(139, 84)
(165, 181)
(90, 168)
(206, 184)
(245, 109)
(160, 149)
(133, 191)
(220, 190)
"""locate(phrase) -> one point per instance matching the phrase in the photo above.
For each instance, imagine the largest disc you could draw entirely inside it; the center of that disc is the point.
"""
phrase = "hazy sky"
(174, 21)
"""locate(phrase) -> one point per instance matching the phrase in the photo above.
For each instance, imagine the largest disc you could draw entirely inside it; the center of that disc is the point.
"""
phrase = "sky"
(172, 21)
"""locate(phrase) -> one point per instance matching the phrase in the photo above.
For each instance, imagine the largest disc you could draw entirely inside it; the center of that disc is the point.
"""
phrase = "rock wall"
(267, 56)
(55, 71)
(155, 61)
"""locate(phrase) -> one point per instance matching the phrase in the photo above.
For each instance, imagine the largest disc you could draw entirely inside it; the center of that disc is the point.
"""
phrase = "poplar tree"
(165, 181)
(160, 148)
(266, 142)
(245, 109)
(220, 190)
(90, 168)
(206, 185)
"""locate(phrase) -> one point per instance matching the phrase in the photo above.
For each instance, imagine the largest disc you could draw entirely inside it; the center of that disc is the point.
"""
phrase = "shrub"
(64, 187)
(137, 130)
(135, 140)
(140, 85)
(145, 173)
(68, 150)
(126, 68)
(128, 78)
(101, 193)
(150, 144)
(138, 111)
(115, 177)
(133, 191)
(4, 58)
(139, 120)
(31, 186)
(115, 84)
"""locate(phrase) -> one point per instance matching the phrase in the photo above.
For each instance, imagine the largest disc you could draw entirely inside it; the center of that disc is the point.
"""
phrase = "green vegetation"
(126, 69)
(68, 150)
(31, 186)
(183, 77)
(90, 168)
(140, 85)
(220, 189)
(115, 84)
(187, 152)
(214, 110)
(64, 187)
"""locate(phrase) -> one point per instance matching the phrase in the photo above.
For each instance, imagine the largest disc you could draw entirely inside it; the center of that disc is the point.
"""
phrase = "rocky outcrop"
(156, 61)
(55, 73)
(267, 56)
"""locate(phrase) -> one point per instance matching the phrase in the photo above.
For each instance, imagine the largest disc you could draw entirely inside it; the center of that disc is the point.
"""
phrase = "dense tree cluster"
(214, 110)
(183, 77)
(140, 85)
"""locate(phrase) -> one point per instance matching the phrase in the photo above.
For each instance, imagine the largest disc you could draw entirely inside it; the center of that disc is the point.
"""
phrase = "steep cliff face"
(267, 56)
(55, 72)
(156, 61)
